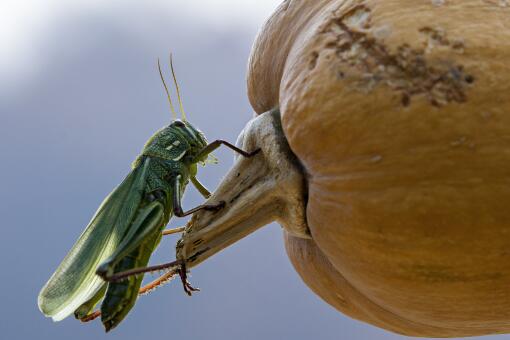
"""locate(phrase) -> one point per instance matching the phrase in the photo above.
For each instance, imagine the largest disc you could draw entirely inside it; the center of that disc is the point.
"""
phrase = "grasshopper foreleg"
(217, 143)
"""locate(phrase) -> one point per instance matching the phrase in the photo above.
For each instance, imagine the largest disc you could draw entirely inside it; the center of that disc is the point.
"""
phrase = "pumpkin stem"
(256, 190)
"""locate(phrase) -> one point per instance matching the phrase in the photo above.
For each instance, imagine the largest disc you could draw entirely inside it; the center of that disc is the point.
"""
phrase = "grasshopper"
(128, 226)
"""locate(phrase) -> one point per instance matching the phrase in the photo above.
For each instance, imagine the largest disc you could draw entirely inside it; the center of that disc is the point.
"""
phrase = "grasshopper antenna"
(174, 114)
(183, 115)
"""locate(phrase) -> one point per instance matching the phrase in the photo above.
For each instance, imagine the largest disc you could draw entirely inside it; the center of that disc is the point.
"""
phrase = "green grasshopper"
(129, 224)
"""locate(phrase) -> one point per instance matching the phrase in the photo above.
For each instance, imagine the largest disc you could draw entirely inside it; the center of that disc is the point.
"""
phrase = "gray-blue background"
(68, 136)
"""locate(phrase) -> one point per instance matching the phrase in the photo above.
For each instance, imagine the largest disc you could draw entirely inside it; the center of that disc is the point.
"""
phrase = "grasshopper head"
(193, 136)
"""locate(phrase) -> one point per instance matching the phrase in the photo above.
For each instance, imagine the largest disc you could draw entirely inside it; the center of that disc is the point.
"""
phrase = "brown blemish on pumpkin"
(406, 70)
(438, 37)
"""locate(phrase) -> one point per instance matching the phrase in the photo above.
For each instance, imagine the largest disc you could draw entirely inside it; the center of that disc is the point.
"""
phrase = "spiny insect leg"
(157, 283)
(125, 274)
(188, 288)
(181, 270)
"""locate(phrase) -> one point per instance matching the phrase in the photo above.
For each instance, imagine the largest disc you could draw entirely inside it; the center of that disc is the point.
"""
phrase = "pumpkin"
(399, 112)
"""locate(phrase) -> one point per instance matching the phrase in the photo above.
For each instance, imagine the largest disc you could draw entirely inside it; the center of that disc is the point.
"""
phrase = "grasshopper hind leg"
(160, 281)
(188, 288)
(121, 295)
(174, 268)
(134, 251)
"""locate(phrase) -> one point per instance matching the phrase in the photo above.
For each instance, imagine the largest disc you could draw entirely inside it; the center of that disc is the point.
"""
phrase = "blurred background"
(79, 96)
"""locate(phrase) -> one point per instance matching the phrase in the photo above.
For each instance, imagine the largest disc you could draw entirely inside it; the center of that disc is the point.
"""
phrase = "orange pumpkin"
(399, 112)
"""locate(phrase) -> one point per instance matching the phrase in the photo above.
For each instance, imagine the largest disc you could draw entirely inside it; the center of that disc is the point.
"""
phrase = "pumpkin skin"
(399, 112)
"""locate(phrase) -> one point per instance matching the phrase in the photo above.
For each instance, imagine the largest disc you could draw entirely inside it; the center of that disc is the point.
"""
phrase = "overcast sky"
(26, 25)
(79, 96)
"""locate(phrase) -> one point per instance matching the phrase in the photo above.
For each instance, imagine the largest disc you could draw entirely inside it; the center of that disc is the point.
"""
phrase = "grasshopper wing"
(75, 280)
